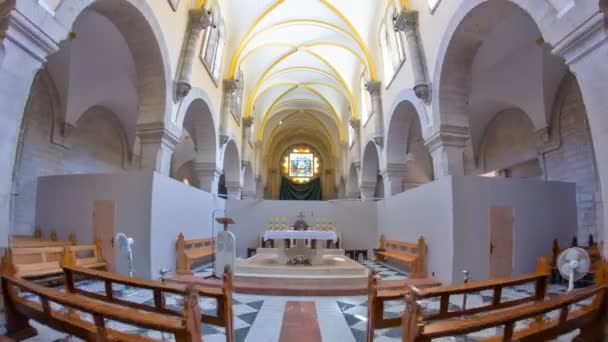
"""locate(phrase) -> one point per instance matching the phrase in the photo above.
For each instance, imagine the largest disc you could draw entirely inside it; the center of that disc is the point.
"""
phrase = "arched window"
(391, 45)
(365, 104)
(212, 49)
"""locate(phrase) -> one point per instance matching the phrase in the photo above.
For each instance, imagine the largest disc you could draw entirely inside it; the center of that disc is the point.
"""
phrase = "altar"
(301, 254)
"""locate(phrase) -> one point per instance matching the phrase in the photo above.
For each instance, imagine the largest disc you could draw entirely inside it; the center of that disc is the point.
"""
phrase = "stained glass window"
(301, 165)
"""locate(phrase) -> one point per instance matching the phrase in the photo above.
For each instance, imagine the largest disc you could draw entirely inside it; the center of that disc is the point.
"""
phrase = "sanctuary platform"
(335, 265)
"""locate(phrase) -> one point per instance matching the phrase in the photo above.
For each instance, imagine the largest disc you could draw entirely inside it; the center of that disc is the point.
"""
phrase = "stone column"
(356, 125)
(375, 88)
(585, 51)
(408, 23)
(198, 20)
(368, 189)
(394, 176)
(231, 89)
(234, 190)
(23, 51)
(247, 123)
(447, 149)
(208, 176)
(157, 146)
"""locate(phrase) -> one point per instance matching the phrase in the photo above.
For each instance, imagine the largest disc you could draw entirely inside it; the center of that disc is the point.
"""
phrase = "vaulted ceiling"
(301, 60)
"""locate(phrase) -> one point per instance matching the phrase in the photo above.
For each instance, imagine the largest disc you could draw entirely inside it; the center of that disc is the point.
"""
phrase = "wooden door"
(501, 242)
(104, 227)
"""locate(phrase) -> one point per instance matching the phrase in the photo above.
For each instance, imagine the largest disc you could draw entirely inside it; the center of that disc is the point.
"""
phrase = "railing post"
(372, 287)
(228, 303)
(68, 258)
(17, 324)
(192, 316)
(410, 318)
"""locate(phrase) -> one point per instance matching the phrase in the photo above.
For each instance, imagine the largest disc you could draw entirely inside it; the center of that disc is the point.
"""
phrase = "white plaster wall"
(177, 207)
(356, 220)
(409, 215)
(65, 203)
(543, 211)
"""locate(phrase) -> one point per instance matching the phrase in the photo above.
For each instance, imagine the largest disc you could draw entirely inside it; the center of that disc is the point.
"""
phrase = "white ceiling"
(299, 54)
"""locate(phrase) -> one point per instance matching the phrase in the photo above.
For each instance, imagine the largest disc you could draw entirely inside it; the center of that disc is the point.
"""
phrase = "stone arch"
(98, 143)
(198, 122)
(370, 166)
(509, 145)
(408, 95)
(472, 22)
(408, 161)
(232, 169)
(137, 23)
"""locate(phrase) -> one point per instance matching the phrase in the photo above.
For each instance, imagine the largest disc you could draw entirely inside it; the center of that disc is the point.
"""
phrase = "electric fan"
(126, 245)
(573, 264)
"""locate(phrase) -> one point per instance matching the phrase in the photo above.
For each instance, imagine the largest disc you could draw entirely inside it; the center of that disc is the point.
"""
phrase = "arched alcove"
(369, 171)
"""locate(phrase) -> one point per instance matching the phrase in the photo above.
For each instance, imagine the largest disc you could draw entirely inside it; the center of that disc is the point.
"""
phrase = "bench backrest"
(223, 295)
(82, 255)
(418, 248)
(19, 310)
(496, 286)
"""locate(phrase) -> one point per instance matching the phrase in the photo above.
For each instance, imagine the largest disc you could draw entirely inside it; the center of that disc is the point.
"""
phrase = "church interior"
(304, 170)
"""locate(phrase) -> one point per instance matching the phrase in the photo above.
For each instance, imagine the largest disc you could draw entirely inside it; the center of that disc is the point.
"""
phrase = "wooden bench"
(411, 254)
(377, 298)
(19, 310)
(36, 262)
(190, 250)
(21, 241)
(590, 318)
(223, 295)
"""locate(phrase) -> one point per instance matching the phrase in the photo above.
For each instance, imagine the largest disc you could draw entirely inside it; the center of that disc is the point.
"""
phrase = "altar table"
(300, 253)
(301, 235)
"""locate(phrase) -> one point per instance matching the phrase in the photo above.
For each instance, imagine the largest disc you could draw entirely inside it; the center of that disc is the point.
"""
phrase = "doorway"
(104, 228)
(501, 241)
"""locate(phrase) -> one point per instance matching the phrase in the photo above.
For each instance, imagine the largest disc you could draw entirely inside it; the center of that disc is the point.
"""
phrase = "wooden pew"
(16, 241)
(36, 262)
(37, 236)
(19, 311)
(190, 250)
(223, 295)
(590, 319)
(377, 298)
(412, 254)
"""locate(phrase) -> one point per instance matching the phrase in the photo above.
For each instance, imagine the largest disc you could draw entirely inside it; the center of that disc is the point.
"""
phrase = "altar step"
(303, 287)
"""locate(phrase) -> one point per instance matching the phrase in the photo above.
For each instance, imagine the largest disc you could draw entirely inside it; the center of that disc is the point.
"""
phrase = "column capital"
(247, 121)
(582, 41)
(448, 135)
(198, 19)
(406, 21)
(394, 170)
(206, 168)
(373, 87)
(155, 132)
(231, 85)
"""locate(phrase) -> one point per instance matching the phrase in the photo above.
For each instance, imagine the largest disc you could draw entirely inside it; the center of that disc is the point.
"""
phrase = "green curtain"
(291, 191)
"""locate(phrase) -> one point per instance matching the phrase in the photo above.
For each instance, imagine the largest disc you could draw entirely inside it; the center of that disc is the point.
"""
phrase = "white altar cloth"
(300, 235)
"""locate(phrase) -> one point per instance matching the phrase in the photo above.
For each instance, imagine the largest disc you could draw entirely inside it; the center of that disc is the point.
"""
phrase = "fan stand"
(573, 265)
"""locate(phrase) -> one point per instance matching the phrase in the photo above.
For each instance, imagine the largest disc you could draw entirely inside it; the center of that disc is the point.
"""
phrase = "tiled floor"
(259, 318)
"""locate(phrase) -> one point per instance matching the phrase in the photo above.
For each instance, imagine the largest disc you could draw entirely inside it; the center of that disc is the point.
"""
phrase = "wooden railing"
(19, 310)
(590, 316)
(411, 254)
(377, 298)
(190, 250)
(540, 278)
(590, 319)
(223, 296)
